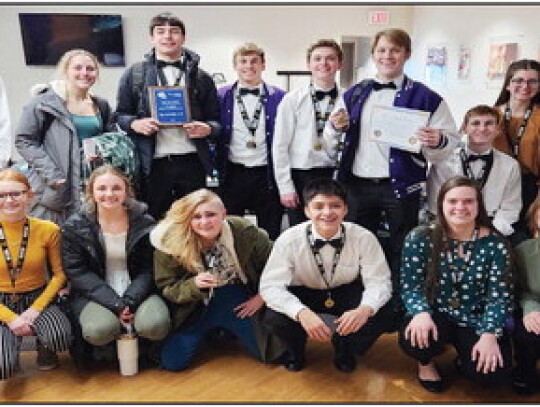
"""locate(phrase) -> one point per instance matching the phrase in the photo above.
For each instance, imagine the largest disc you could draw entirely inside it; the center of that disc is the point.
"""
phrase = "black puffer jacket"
(83, 255)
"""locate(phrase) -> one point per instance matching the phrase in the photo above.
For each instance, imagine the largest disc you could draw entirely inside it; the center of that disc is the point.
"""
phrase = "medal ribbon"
(15, 271)
(251, 124)
(514, 143)
(320, 119)
(318, 258)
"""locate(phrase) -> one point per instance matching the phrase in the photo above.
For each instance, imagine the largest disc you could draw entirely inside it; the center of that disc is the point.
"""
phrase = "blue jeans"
(180, 348)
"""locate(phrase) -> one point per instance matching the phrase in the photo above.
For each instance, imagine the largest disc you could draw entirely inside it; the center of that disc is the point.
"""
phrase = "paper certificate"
(397, 126)
(169, 105)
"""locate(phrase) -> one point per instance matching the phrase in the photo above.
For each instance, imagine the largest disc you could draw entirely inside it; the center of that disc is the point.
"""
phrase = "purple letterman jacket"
(271, 99)
(407, 170)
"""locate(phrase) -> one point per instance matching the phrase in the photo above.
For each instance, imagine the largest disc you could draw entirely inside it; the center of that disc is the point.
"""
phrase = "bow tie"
(377, 86)
(474, 157)
(321, 94)
(162, 64)
(335, 243)
(246, 91)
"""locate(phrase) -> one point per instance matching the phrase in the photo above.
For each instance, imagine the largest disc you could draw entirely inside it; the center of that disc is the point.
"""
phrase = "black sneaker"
(46, 358)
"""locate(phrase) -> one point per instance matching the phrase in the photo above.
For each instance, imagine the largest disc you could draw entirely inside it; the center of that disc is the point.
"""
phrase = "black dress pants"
(248, 188)
(171, 178)
(463, 339)
(346, 297)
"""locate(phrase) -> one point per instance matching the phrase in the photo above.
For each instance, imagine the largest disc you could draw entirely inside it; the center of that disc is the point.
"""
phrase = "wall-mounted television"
(46, 37)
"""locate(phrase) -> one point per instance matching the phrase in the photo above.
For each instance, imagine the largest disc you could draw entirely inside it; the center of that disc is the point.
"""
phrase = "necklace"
(15, 270)
(461, 252)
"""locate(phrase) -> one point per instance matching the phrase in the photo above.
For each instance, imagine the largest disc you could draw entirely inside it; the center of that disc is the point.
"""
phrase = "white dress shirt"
(239, 153)
(372, 158)
(501, 192)
(295, 135)
(173, 140)
(291, 263)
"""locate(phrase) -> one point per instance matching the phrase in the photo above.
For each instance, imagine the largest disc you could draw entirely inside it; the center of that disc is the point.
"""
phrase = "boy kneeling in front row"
(327, 280)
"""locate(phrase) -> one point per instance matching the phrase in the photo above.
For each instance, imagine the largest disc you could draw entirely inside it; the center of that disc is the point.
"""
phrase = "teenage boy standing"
(327, 280)
(248, 112)
(382, 180)
(175, 161)
(298, 150)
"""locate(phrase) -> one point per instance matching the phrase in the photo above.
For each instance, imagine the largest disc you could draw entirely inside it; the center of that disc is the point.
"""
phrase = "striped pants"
(51, 327)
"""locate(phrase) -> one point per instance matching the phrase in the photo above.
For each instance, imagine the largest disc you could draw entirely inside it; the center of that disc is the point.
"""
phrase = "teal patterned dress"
(474, 292)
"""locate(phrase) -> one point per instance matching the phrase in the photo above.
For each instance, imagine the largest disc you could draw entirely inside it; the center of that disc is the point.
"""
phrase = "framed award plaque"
(169, 105)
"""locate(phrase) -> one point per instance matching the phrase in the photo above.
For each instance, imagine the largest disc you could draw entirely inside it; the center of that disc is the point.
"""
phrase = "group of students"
(328, 277)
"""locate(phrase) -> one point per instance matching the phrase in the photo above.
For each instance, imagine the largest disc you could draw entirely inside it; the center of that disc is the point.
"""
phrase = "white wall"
(213, 31)
(474, 26)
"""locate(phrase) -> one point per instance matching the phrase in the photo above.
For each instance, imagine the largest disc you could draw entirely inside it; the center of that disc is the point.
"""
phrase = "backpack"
(118, 150)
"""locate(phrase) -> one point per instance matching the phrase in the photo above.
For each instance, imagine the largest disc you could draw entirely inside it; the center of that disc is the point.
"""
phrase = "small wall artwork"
(500, 57)
(436, 64)
(464, 63)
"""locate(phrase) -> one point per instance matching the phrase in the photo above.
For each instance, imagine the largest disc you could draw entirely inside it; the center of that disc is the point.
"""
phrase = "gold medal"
(317, 146)
(329, 303)
(454, 302)
(251, 144)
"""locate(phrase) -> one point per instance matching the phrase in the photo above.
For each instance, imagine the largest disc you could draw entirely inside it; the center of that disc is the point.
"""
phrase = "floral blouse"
(475, 291)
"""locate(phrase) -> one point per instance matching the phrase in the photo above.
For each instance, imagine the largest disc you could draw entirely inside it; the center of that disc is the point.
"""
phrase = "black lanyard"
(514, 143)
(251, 124)
(320, 119)
(456, 273)
(467, 170)
(14, 271)
(329, 303)
(163, 78)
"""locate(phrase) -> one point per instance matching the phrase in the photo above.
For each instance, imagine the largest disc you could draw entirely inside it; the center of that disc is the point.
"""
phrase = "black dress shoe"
(433, 386)
(293, 365)
(345, 364)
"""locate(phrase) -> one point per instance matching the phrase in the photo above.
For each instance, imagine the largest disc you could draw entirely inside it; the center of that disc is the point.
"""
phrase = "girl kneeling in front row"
(208, 267)
(455, 285)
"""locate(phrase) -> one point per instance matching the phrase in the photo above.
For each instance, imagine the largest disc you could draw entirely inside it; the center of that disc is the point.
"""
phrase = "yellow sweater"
(43, 244)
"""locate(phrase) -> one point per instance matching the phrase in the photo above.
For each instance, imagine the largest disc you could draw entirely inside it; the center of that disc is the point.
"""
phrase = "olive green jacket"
(177, 285)
(528, 259)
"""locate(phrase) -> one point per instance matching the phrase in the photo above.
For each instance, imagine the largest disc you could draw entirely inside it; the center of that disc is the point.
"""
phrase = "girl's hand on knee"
(419, 329)
(487, 354)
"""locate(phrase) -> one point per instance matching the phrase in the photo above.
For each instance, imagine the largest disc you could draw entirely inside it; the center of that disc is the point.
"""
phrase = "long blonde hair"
(180, 239)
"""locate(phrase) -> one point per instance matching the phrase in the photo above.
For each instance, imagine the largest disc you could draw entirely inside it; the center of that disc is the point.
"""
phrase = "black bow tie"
(162, 64)
(474, 157)
(321, 94)
(378, 86)
(246, 91)
(335, 243)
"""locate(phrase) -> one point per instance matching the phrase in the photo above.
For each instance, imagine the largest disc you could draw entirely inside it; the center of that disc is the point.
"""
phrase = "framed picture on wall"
(464, 63)
(436, 64)
(501, 55)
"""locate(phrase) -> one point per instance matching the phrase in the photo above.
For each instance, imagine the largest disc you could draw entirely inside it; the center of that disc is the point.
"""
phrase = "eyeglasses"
(521, 81)
(14, 195)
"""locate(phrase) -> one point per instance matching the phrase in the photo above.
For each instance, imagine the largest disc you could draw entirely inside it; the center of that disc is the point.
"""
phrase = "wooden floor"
(226, 374)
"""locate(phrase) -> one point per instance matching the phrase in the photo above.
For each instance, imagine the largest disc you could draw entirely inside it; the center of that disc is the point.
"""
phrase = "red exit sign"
(379, 17)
